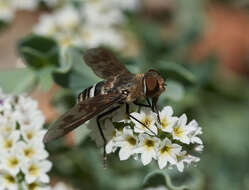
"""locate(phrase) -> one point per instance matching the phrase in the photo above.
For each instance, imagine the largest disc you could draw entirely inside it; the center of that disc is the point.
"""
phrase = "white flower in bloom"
(27, 114)
(167, 153)
(22, 150)
(6, 10)
(101, 13)
(127, 143)
(7, 128)
(134, 139)
(167, 120)
(32, 151)
(147, 147)
(25, 4)
(94, 36)
(67, 18)
(8, 181)
(8, 142)
(148, 118)
(11, 162)
(36, 170)
(194, 130)
(181, 130)
(33, 134)
(46, 25)
(181, 158)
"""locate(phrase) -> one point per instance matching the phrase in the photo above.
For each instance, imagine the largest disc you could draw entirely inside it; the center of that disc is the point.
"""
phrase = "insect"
(119, 87)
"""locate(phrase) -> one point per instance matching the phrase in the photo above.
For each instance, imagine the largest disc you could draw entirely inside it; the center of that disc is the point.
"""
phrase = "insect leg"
(128, 113)
(101, 130)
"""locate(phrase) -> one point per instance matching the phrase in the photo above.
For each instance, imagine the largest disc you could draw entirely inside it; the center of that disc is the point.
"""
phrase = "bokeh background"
(200, 46)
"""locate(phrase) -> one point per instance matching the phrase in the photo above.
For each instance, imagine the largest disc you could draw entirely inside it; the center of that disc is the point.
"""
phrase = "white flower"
(46, 25)
(32, 151)
(94, 36)
(167, 120)
(101, 13)
(148, 118)
(6, 10)
(25, 4)
(147, 147)
(8, 142)
(33, 134)
(36, 170)
(194, 130)
(67, 18)
(167, 153)
(11, 162)
(21, 145)
(8, 181)
(127, 143)
(7, 127)
(180, 130)
(181, 158)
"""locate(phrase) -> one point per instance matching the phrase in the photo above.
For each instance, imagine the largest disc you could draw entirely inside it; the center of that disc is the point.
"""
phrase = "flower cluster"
(90, 24)
(23, 158)
(172, 142)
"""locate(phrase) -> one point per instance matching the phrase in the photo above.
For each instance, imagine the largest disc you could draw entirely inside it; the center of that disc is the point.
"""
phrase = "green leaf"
(17, 80)
(176, 71)
(45, 78)
(188, 180)
(74, 73)
(39, 51)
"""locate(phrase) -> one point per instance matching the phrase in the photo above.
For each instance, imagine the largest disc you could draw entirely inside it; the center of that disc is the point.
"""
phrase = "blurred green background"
(201, 48)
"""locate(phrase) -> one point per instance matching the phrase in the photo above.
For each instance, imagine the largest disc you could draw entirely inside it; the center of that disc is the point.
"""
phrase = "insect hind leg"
(99, 117)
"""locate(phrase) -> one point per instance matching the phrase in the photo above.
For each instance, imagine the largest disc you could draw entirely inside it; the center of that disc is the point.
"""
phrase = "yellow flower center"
(30, 135)
(132, 141)
(164, 122)
(149, 143)
(146, 121)
(178, 131)
(9, 179)
(13, 162)
(165, 149)
(8, 144)
(29, 152)
(32, 186)
(33, 170)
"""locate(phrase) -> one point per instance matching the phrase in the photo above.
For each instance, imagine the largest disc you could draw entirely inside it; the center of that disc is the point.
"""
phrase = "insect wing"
(79, 114)
(103, 63)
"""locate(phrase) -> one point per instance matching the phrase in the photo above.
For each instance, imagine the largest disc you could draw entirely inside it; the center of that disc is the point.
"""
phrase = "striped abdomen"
(91, 91)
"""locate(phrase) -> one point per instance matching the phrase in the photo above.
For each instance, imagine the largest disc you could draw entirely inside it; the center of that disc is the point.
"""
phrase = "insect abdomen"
(91, 91)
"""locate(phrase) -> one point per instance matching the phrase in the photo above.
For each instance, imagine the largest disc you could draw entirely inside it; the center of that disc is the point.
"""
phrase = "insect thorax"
(91, 91)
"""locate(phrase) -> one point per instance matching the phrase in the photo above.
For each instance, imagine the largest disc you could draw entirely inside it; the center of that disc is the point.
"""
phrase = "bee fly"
(119, 87)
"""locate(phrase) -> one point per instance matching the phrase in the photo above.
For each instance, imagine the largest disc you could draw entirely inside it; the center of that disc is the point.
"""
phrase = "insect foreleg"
(128, 113)
(99, 117)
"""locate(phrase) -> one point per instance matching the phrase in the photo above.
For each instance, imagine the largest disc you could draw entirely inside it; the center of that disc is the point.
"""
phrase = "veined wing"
(80, 113)
(103, 63)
